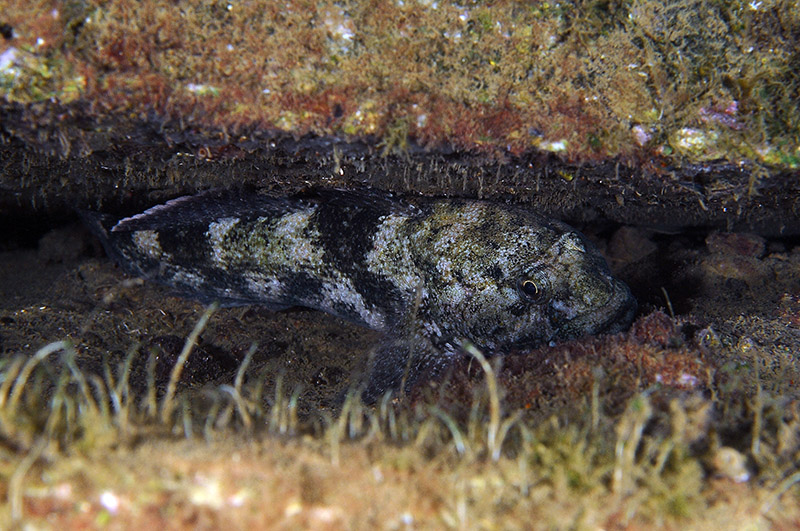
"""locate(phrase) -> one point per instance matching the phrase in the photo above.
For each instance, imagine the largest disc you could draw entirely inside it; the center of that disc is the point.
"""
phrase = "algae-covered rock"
(680, 113)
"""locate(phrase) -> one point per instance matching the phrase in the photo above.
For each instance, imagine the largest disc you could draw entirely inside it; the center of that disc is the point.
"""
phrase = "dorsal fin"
(248, 204)
(205, 207)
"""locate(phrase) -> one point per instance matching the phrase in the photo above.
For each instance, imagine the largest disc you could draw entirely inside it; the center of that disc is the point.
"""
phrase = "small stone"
(656, 329)
(629, 244)
(740, 244)
(745, 268)
(789, 309)
(63, 245)
(731, 464)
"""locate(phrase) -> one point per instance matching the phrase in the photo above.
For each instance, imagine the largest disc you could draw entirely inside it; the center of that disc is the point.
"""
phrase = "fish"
(432, 275)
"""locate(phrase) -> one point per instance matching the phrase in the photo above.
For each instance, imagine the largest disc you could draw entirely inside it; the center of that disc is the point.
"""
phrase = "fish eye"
(532, 289)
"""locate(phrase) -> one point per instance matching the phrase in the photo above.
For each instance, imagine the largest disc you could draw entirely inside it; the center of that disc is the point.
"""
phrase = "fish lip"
(614, 316)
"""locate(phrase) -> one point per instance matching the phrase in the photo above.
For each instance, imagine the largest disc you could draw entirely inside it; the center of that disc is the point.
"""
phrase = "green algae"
(478, 77)
(99, 440)
(32, 77)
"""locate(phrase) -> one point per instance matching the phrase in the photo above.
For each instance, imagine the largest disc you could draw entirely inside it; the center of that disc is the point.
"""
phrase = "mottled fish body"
(430, 274)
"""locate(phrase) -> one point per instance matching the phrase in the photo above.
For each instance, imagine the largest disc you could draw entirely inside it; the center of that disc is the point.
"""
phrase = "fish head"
(515, 279)
(573, 289)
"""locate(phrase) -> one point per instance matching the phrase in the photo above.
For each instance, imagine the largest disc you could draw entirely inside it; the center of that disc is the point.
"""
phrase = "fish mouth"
(614, 316)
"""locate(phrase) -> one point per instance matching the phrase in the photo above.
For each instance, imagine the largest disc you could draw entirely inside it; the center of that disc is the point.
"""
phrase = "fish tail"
(100, 226)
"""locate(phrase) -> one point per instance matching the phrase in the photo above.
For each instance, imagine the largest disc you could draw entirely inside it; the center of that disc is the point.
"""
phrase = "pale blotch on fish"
(216, 235)
(429, 274)
(147, 242)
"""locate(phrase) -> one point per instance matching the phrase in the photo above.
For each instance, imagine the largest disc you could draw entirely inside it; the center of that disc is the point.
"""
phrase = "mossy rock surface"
(674, 115)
